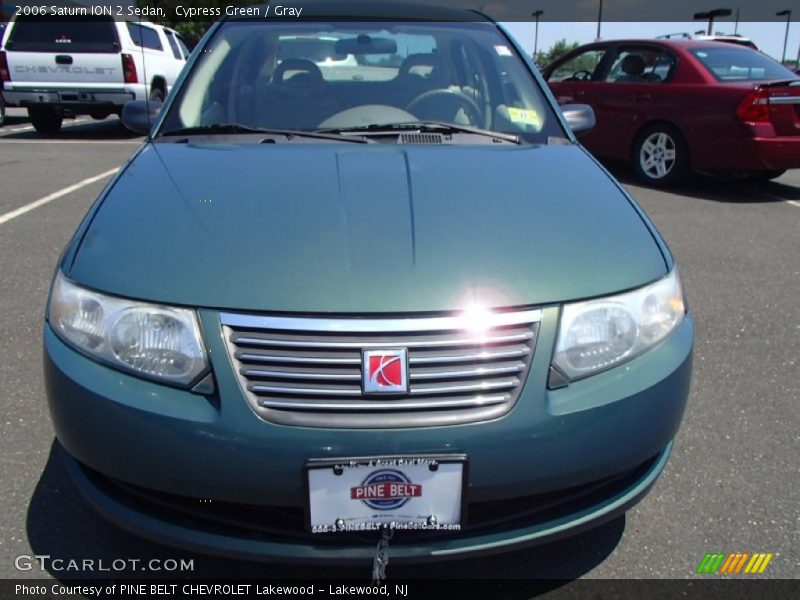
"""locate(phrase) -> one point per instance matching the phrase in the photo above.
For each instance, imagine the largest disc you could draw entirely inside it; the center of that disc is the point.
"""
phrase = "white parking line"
(773, 196)
(54, 196)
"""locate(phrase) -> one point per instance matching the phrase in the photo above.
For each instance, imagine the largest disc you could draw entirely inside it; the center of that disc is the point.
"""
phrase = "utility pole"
(599, 18)
(710, 15)
(536, 14)
(797, 62)
(788, 15)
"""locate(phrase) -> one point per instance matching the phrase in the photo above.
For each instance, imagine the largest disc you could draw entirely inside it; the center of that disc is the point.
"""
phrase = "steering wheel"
(582, 75)
(443, 105)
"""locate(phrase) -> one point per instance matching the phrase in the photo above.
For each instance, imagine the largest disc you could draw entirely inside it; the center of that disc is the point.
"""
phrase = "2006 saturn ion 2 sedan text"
(360, 276)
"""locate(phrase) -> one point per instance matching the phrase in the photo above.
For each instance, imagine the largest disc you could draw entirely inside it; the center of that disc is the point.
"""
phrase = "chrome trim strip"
(784, 99)
(387, 405)
(473, 357)
(301, 375)
(258, 388)
(439, 343)
(466, 373)
(299, 360)
(467, 387)
(273, 389)
(463, 321)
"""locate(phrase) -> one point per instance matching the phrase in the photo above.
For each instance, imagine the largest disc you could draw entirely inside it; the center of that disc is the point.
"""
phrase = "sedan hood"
(351, 228)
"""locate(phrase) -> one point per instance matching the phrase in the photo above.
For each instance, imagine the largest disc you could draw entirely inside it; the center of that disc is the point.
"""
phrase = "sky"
(768, 36)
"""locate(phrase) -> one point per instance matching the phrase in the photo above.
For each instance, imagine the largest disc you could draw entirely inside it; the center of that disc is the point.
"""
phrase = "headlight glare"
(157, 342)
(598, 334)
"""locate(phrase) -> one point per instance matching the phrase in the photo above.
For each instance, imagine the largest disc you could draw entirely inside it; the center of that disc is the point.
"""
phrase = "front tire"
(45, 120)
(2, 111)
(660, 156)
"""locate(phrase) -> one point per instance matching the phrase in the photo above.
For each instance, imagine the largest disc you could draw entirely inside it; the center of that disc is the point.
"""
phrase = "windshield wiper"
(423, 127)
(236, 128)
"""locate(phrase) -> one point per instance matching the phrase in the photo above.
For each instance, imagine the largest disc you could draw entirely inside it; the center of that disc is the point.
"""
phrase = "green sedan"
(362, 278)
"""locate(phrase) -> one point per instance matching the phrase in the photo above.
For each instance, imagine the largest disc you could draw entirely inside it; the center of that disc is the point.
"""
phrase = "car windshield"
(362, 76)
(729, 63)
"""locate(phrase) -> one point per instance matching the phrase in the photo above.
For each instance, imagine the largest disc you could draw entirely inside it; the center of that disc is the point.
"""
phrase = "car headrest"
(437, 72)
(633, 64)
(305, 73)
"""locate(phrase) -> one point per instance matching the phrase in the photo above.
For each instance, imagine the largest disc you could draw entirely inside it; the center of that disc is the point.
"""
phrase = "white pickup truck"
(67, 67)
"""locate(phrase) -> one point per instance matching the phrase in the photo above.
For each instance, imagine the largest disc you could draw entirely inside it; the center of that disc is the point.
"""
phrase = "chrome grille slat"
(303, 391)
(467, 373)
(462, 388)
(469, 357)
(308, 371)
(303, 375)
(298, 360)
(324, 344)
(387, 406)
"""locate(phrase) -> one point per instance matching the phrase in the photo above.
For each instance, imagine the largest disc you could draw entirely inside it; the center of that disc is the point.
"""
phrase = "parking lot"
(732, 484)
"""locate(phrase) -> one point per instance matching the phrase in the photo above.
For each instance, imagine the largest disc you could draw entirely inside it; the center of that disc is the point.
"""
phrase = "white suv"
(70, 67)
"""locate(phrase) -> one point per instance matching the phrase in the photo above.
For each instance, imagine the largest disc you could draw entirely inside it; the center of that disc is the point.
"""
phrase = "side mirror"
(580, 117)
(139, 115)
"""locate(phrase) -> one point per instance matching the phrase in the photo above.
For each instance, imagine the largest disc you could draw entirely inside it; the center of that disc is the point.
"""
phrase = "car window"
(314, 76)
(579, 68)
(31, 34)
(144, 36)
(184, 48)
(634, 65)
(732, 63)
(176, 51)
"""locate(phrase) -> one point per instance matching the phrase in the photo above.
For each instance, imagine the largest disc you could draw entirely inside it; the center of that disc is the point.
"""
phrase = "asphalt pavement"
(732, 483)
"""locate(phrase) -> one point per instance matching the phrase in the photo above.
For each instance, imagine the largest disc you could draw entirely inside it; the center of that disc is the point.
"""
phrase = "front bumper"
(614, 427)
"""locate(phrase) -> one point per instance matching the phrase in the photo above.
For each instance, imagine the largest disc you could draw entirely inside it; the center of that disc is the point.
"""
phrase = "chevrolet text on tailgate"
(362, 278)
(65, 67)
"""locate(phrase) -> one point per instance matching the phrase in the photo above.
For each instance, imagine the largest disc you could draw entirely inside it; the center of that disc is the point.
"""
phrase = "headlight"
(157, 342)
(599, 334)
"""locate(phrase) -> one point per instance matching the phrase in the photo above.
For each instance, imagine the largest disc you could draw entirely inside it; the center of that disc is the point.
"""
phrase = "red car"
(671, 106)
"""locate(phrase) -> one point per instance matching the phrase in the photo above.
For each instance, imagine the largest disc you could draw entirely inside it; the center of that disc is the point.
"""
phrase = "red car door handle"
(643, 97)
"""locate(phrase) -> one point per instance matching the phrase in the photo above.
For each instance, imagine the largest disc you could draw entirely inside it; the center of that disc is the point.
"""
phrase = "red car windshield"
(729, 63)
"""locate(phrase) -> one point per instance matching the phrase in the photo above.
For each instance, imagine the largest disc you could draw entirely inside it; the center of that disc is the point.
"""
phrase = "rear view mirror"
(365, 44)
(139, 115)
(580, 117)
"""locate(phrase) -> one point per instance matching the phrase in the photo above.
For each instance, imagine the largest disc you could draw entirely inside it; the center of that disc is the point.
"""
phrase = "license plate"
(369, 494)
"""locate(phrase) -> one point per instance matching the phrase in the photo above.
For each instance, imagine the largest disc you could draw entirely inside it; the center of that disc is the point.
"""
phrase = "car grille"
(308, 371)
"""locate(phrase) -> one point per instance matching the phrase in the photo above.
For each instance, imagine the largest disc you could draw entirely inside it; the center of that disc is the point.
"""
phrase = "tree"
(560, 48)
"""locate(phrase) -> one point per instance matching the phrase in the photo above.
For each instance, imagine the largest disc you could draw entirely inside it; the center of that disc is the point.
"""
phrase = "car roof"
(670, 43)
(367, 10)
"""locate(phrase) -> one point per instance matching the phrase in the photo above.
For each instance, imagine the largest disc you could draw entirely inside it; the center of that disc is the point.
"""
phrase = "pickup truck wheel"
(2, 112)
(45, 121)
